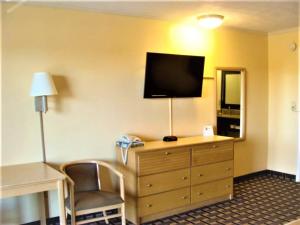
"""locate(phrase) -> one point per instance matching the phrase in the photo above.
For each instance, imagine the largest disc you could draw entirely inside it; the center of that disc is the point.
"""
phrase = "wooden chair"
(85, 195)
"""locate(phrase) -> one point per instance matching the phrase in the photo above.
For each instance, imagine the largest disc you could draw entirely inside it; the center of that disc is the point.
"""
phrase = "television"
(173, 76)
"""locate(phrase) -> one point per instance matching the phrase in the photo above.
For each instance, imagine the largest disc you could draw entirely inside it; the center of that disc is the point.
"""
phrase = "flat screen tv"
(173, 76)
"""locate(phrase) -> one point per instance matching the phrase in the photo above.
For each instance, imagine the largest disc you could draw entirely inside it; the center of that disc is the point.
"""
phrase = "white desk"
(31, 178)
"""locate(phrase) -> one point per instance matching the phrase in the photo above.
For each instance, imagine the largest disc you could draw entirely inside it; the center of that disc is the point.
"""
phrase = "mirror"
(231, 102)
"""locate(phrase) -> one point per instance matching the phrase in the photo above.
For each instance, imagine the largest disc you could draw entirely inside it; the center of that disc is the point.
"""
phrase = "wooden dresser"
(164, 178)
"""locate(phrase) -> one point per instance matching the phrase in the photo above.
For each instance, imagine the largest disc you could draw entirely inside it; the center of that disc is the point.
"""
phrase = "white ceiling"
(267, 16)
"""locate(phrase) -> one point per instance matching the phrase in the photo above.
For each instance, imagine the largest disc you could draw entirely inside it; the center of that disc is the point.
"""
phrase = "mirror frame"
(243, 99)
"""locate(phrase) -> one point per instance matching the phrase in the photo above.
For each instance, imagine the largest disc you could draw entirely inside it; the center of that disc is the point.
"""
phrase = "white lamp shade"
(42, 85)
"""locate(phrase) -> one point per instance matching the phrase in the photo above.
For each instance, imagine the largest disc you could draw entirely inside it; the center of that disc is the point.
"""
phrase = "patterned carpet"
(258, 200)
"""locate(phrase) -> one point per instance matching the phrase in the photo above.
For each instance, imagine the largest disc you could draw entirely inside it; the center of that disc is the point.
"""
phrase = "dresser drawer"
(165, 201)
(161, 182)
(211, 172)
(211, 190)
(211, 153)
(163, 161)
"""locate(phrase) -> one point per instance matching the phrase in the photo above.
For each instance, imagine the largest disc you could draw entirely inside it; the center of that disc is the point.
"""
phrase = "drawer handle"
(228, 186)
(148, 185)
(214, 146)
(200, 175)
(167, 153)
(149, 205)
(200, 193)
(228, 169)
(184, 178)
(184, 197)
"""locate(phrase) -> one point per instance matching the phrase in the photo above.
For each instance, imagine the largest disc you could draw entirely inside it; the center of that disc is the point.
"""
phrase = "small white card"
(208, 131)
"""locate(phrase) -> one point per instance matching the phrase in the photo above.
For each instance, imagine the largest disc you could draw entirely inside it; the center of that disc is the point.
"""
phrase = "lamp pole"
(41, 107)
(43, 137)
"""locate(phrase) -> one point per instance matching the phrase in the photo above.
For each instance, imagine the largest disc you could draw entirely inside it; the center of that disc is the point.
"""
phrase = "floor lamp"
(42, 86)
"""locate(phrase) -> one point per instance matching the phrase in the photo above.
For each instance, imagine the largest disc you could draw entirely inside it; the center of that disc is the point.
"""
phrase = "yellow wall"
(98, 61)
(283, 90)
(248, 50)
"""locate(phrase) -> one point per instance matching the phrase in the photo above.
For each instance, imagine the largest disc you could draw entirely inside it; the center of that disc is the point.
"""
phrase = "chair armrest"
(68, 179)
(118, 173)
(111, 168)
(70, 183)
(70, 192)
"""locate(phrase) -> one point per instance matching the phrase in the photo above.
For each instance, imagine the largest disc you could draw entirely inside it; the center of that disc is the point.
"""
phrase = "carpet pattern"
(260, 200)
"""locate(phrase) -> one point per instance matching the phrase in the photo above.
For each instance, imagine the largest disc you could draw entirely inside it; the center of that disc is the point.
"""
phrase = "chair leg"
(72, 207)
(66, 215)
(105, 215)
(73, 217)
(123, 218)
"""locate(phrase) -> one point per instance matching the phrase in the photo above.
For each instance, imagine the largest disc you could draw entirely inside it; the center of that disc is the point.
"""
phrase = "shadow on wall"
(64, 91)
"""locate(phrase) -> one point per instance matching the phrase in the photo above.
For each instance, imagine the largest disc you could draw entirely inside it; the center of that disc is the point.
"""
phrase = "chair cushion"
(94, 199)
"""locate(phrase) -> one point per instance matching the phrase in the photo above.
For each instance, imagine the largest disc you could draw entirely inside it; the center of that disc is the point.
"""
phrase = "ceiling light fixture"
(210, 21)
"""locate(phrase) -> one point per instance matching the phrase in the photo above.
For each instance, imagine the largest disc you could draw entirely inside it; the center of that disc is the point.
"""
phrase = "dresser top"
(181, 142)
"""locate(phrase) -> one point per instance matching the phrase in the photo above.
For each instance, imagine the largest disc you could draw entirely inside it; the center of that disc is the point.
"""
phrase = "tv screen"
(173, 76)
